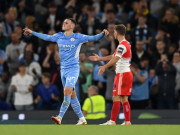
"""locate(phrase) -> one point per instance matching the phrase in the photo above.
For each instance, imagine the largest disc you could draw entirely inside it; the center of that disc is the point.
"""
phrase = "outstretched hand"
(27, 31)
(106, 32)
(94, 58)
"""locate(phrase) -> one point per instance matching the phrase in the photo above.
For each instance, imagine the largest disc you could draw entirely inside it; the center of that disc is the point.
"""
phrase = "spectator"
(100, 81)
(110, 18)
(86, 69)
(171, 4)
(4, 84)
(91, 24)
(51, 20)
(139, 52)
(25, 8)
(140, 91)
(33, 67)
(47, 94)
(166, 73)
(142, 31)
(142, 9)
(29, 48)
(171, 50)
(83, 15)
(107, 6)
(90, 48)
(9, 23)
(13, 51)
(171, 21)
(52, 64)
(109, 41)
(18, 29)
(161, 48)
(94, 105)
(4, 41)
(176, 64)
(153, 81)
(161, 35)
(22, 86)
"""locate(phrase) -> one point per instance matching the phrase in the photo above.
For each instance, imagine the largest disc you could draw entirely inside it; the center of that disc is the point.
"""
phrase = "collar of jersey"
(68, 36)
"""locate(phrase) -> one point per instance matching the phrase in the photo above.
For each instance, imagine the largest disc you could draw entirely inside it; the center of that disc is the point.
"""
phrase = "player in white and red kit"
(124, 78)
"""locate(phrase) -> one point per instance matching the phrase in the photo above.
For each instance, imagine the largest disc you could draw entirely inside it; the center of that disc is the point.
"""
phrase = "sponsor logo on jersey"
(66, 47)
(72, 39)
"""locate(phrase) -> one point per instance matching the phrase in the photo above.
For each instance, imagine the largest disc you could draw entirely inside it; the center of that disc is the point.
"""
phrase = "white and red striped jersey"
(124, 52)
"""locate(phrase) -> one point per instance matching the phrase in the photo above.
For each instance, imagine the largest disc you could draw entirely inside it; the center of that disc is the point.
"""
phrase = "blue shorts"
(70, 76)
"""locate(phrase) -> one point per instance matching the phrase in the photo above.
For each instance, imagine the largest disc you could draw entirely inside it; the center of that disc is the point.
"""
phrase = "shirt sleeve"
(86, 105)
(87, 38)
(52, 38)
(121, 49)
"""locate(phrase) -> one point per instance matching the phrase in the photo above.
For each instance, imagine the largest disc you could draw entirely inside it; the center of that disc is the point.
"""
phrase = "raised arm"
(45, 37)
(86, 38)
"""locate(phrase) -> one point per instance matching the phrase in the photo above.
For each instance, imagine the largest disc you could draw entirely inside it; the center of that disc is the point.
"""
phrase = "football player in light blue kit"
(69, 44)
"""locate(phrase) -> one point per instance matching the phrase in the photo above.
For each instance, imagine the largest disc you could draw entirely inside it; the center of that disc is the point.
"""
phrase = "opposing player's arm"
(121, 49)
(109, 64)
(112, 61)
(45, 37)
(97, 58)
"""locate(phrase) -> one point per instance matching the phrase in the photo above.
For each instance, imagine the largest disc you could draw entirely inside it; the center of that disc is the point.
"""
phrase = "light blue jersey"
(69, 48)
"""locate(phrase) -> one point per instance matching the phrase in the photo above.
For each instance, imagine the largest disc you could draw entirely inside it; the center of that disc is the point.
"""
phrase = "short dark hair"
(22, 64)
(121, 29)
(95, 88)
(46, 74)
(144, 59)
(52, 5)
(90, 8)
(110, 11)
(72, 20)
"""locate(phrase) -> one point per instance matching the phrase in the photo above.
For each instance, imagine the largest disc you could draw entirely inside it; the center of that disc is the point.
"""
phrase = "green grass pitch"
(89, 130)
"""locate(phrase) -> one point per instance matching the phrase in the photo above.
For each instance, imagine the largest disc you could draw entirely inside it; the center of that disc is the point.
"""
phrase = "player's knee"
(124, 99)
(68, 91)
(116, 98)
(73, 95)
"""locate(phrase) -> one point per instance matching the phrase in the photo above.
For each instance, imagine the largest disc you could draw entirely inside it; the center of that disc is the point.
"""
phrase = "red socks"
(115, 110)
(127, 111)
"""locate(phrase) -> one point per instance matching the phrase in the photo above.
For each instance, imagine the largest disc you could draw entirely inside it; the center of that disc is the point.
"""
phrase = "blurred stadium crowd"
(29, 67)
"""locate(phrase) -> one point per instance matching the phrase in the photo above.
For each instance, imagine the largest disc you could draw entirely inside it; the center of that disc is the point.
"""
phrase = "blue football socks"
(76, 107)
(64, 106)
